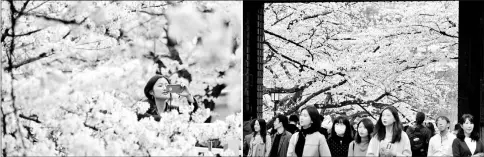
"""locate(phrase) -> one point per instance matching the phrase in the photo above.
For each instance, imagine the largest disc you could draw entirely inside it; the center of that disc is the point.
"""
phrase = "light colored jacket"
(258, 148)
(315, 145)
(401, 148)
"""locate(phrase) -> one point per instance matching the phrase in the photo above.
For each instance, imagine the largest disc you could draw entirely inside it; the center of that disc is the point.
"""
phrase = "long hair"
(283, 119)
(474, 134)
(380, 130)
(314, 115)
(263, 129)
(431, 127)
(348, 132)
(149, 87)
(368, 126)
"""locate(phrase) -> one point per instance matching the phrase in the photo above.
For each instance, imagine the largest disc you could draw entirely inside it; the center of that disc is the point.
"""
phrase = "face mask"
(339, 129)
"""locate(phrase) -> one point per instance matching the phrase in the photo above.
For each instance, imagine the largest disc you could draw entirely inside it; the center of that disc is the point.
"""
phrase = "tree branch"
(27, 61)
(295, 108)
(66, 22)
(302, 65)
(440, 32)
(292, 42)
(24, 34)
(150, 13)
(279, 20)
(4, 34)
(37, 6)
(33, 118)
(91, 127)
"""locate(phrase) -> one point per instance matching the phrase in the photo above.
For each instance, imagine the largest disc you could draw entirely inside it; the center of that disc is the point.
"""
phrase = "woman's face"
(256, 126)
(340, 128)
(387, 118)
(468, 126)
(159, 89)
(362, 130)
(304, 119)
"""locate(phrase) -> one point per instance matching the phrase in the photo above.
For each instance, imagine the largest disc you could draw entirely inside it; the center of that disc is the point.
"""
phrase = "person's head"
(259, 126)
(293, 118)
(467, 122)
(457, 127)
(341, 127)
(309, 119)
(389, 118)
(364, 129)
(443, 123)
(420, 118)
(280, 121)
(431, 127)
(156, 88)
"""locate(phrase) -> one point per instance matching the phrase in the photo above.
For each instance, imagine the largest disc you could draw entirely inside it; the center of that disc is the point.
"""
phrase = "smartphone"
(174, 88)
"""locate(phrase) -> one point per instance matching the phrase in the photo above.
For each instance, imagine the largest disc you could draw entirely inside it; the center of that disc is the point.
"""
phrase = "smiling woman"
(160, 98)
(468, 142)
(101, 71)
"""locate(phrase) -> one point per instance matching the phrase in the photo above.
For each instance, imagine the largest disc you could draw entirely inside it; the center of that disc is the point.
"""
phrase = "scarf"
(302, 140)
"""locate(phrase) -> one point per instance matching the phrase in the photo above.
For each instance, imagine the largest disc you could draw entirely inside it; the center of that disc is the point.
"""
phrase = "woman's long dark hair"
(431, 128)
(314, 115)
(474, 134)
(149, 87)
(380, 130)
(263, 129)
(368, 126)
(348, 132)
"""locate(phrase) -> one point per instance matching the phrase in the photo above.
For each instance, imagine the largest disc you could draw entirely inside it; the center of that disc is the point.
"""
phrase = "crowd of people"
(305, 136)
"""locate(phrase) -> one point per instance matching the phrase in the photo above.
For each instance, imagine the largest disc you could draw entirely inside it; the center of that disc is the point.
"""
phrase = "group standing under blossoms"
(304, 136)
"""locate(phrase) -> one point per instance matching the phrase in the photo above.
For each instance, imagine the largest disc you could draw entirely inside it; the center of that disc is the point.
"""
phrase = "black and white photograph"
(121, 78)
(363, 79)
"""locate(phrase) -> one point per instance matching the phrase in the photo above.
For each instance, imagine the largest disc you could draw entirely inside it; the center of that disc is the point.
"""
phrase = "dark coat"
(459, 148)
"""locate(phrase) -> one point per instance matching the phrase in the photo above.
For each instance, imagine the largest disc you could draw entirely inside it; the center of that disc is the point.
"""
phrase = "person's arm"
(285, 145)
(268, 145)
(351, 148)
(246, 146)
(373, 147)
(323, 147)
(456, 148)
(431, 150)
(407, 149)
(292, 145)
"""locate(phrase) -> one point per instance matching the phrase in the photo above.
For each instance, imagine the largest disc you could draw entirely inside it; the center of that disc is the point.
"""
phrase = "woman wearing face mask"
(159, 97)
(389, 138)
(467, 142)
(359, 146)
(260, 143)
(341, 136)
(308, 141)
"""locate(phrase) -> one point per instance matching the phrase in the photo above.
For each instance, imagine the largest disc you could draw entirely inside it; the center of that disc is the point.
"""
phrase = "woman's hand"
(186, 93)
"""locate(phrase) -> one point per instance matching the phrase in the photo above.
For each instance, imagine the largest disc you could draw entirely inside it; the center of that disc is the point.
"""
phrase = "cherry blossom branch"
(294, 89)
(302, 65)
(302, 103)
(37, 6)
(292, 42)
(24, 34)
(10, 63)
(440, 32)
(33, 118)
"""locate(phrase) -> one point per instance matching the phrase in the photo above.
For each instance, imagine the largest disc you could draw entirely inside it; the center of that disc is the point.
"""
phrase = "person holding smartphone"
(158, 91)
